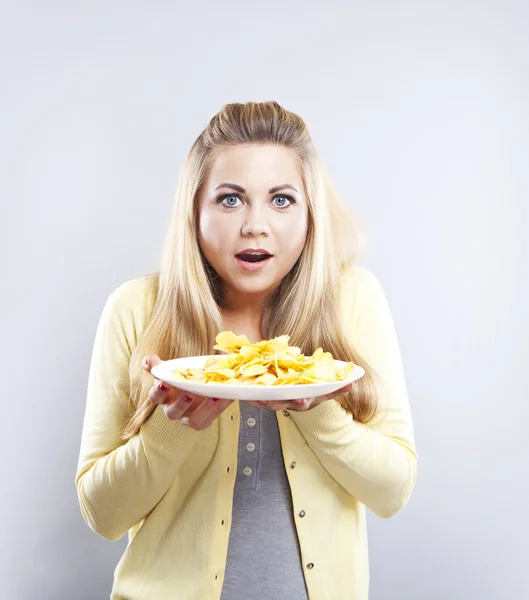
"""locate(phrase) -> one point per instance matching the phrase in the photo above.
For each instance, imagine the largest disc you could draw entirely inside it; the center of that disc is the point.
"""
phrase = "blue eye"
(230, 200)
(289, 199)
(228, 197)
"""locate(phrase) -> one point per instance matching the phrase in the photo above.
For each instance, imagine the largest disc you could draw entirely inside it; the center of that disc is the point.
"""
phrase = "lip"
(255, 266)
(246, 250)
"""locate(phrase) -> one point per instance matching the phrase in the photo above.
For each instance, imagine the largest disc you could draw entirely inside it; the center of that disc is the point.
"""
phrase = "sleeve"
(119, 483)
(374, 462)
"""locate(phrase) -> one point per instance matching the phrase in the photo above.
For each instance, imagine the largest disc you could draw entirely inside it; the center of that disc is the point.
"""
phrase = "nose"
(255, 222)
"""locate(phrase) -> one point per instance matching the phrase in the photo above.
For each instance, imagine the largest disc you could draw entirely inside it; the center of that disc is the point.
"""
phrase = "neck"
(246, 307)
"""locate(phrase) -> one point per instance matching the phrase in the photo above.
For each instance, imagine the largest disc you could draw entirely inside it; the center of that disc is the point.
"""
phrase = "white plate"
(163, 372)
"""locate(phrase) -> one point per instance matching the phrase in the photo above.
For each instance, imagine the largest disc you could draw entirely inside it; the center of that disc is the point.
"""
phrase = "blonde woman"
(239, 500)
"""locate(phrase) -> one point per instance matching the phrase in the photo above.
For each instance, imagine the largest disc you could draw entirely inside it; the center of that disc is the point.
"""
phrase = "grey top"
(264, 561)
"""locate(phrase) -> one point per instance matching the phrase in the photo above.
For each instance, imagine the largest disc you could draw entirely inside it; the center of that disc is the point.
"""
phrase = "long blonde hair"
(186, 318)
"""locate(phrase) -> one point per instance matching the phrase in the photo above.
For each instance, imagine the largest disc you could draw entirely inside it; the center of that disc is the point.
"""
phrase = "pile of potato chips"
(269, 362)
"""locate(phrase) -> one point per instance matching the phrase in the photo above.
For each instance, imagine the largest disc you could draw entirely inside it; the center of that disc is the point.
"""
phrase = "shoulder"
(135, 290)
(133, 300)
(362, 296)
(359, 281)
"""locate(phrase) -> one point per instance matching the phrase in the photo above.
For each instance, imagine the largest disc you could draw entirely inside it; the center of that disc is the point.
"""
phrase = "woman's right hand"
(198, 412)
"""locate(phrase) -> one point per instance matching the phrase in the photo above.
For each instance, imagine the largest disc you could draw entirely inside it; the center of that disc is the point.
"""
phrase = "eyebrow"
(240, 189)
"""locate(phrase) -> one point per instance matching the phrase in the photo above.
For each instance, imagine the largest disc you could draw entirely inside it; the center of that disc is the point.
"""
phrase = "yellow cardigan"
(171, 487)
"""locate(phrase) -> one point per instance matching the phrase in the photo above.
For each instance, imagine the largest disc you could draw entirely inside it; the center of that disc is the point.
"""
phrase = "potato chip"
(269, 362)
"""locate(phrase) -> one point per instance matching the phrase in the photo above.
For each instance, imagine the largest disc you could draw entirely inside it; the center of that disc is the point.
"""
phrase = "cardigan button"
(293, 464)
(310, 566)
(286, 413)
(302, 513)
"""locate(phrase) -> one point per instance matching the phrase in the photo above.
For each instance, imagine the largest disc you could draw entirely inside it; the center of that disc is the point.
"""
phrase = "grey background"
(420, 111)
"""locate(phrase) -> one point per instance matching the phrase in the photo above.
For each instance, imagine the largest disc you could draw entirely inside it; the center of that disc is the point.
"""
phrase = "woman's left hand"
(300, 405)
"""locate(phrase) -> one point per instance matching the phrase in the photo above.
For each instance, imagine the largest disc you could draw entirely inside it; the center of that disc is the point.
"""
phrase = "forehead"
(255, 166)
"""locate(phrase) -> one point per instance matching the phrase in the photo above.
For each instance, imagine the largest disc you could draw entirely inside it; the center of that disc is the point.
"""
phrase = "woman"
(244, 500)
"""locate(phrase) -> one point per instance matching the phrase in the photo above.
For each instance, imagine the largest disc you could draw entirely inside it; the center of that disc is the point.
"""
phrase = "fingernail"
(215, 399)
(187, 399)
(163, 388)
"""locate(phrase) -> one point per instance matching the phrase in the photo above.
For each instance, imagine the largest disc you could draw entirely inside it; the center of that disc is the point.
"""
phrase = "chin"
(255, 285)
(251, 287)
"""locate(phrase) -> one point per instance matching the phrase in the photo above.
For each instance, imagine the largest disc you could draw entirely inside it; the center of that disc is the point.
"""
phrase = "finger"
(300, 404)
(254, 403)
(339, 392)
(160, 393)
(178, 408)
(306, 403)
(151, 360)
(276, 405)
(208, 412)
(300, 401)
(199, 411)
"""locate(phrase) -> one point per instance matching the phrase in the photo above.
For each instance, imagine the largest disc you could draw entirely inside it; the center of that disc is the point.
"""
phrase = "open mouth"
(253, 257)
(253, 261)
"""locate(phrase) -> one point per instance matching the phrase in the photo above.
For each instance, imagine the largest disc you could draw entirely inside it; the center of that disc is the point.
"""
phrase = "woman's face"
(253, 199)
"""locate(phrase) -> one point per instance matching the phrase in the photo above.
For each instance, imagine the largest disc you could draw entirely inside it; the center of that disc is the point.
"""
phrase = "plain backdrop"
(420, 110)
